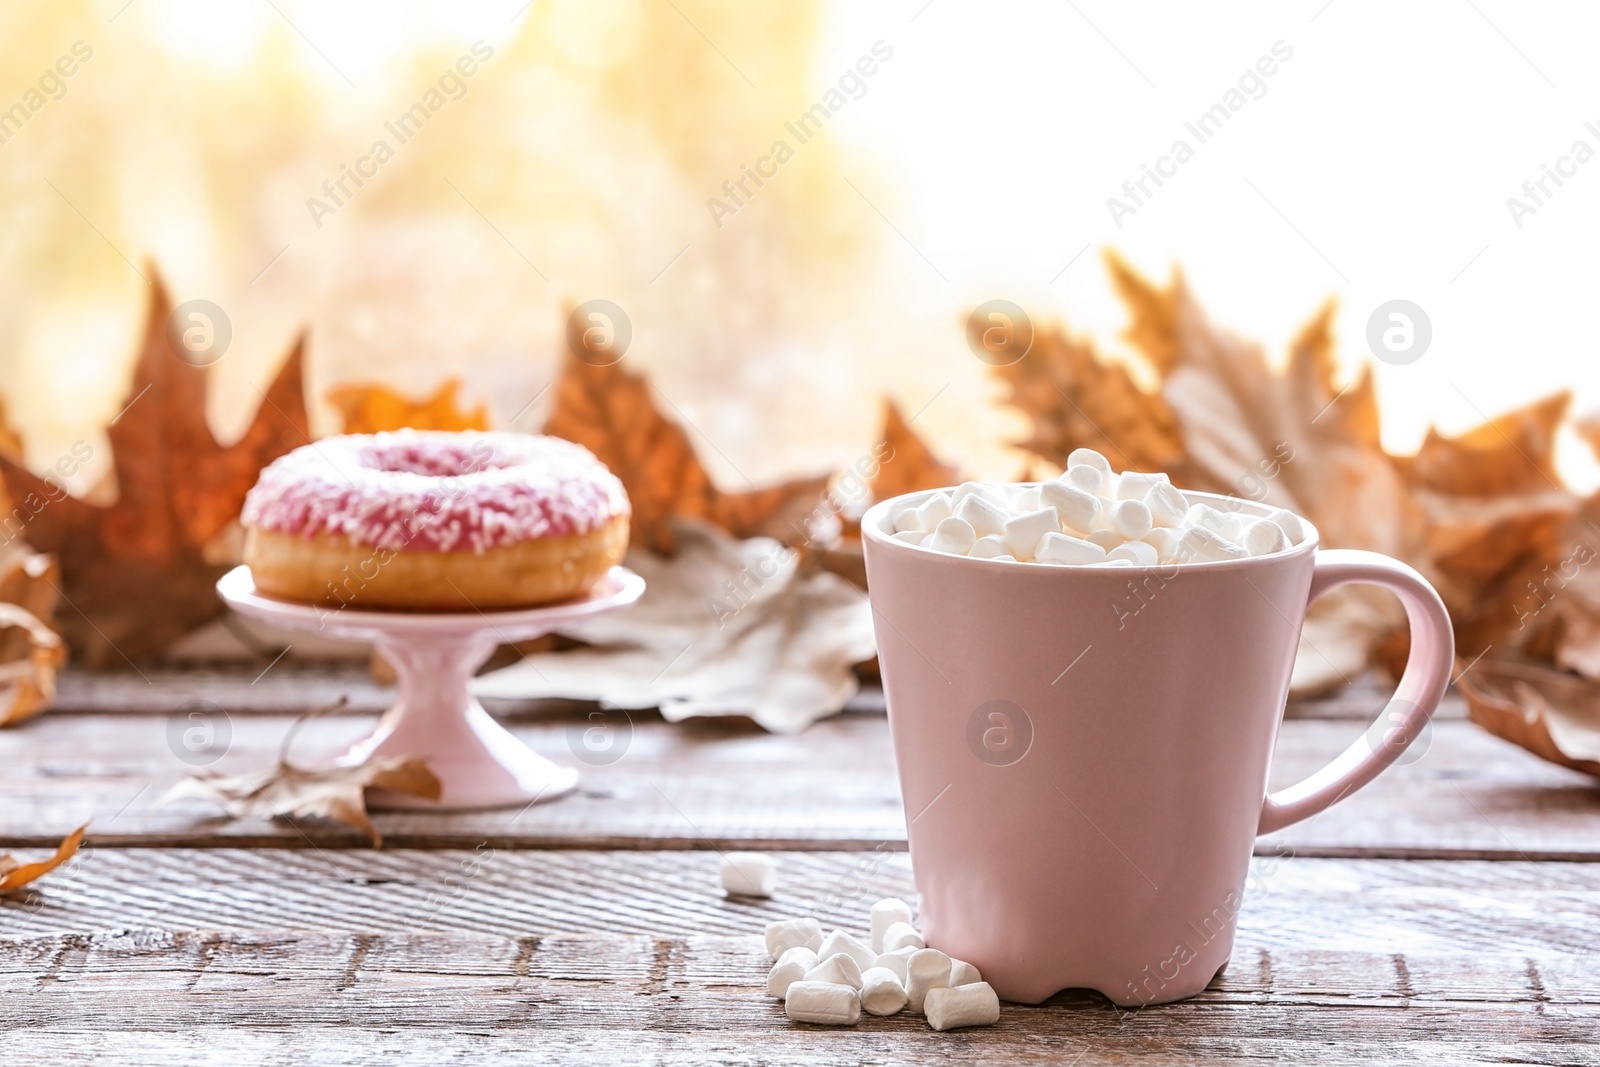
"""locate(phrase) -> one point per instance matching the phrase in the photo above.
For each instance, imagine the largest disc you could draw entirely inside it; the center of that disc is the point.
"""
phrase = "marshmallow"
(787, 933)
(1292, 527)
(897, 959)
(962, 973)
(837, 969)
(790, 968)
(749, 874)
(906, 521)
(1130, 519)
(934, 509)
(1135, 552)
(925, 970)
(1220, 523)
(984, 516)
(1164, 541)
(1201, 545)
(911, 537)
(822, 1002)
(1089, 479)
(1119, 562)
(1135, 485)
(1077, 507)
(992, 493)
(881, 991)
(1007, 558)
(1088, 457)
(1059, 548)
(850, 945)
(1167, 506)
(902, 935)
(1026, 500)
(1022, 533)
(1264, 537)
(974, 1004)
(989, 547)
(952, 535)
(1106, 539)
(885, 913)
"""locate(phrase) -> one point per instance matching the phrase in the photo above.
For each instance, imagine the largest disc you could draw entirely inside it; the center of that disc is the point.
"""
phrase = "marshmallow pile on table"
(1091, 516)
(832, 979)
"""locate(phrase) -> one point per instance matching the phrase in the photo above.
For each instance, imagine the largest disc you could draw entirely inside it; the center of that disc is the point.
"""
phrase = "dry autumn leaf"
(612, 413)
(135, 574)
(909, 464)
(1550, 713)
(14, 874)
(28, 684)
(373, 408)
(337, 792)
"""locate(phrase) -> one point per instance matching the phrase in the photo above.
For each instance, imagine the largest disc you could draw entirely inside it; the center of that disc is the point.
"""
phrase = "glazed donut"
(434, 521)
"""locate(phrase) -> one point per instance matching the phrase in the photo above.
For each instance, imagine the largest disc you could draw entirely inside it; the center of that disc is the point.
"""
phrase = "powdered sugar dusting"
(433, 491)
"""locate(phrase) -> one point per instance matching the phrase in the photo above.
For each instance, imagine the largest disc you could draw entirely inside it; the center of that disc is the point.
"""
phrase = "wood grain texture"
(595, 956)
(715, 783)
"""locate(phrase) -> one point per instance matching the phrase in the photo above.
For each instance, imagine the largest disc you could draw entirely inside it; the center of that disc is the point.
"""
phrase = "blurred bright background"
(975, 162)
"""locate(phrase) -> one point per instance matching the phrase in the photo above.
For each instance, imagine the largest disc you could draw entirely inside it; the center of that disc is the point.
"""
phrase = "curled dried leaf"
(28, 685)
(14, 874)
(1549, 712)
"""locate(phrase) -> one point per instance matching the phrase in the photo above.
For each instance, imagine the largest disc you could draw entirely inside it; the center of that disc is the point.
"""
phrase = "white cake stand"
(479, 762)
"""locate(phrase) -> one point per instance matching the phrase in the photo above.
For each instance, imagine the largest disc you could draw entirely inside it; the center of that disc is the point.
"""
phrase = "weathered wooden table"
(1449, 913)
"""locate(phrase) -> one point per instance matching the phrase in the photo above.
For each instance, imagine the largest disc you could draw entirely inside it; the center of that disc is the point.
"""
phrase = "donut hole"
(435, 459)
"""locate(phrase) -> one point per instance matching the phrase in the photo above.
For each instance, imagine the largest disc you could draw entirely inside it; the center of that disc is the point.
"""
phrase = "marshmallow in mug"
(1091, 516)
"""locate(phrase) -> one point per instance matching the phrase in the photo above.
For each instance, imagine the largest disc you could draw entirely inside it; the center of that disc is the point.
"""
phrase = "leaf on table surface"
(14, 874)
(374, 408)
(907, 465)
(1549, 712)
(335, 792)
(135, 574)
(613, 414)
(725, 627)
(28, 684)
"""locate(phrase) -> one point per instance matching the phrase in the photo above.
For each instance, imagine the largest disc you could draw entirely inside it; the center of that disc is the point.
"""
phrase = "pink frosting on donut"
(432, 491)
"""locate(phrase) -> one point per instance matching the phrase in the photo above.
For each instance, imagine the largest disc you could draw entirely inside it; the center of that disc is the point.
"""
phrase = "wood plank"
(707, 783)
(576, 957)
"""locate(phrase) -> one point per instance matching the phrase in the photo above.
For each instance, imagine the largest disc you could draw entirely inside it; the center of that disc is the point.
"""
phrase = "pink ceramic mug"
(1083, 751)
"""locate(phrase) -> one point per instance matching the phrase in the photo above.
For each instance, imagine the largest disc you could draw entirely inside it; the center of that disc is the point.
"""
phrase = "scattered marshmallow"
(822, 1002)
(851, 946)
(790, 968)
(787, 933)
(833, 986)
(902, 935)
(896, 960)
(881, 991)
(963, 973)
(749, 874)
(926, 970)
(837, 969)
(885, 913)
(974, 1004)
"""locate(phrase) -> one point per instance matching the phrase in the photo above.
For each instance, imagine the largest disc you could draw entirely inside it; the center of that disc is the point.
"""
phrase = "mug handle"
(1423, 683)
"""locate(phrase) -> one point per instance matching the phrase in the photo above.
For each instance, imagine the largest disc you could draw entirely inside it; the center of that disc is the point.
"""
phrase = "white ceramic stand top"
(478, 761)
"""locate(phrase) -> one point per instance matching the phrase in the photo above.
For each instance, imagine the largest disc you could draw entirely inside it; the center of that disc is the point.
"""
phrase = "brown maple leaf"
(373, 408)
(337, 792)
(135, 574)
(612, 413)
(908, 464)
(14, 874)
